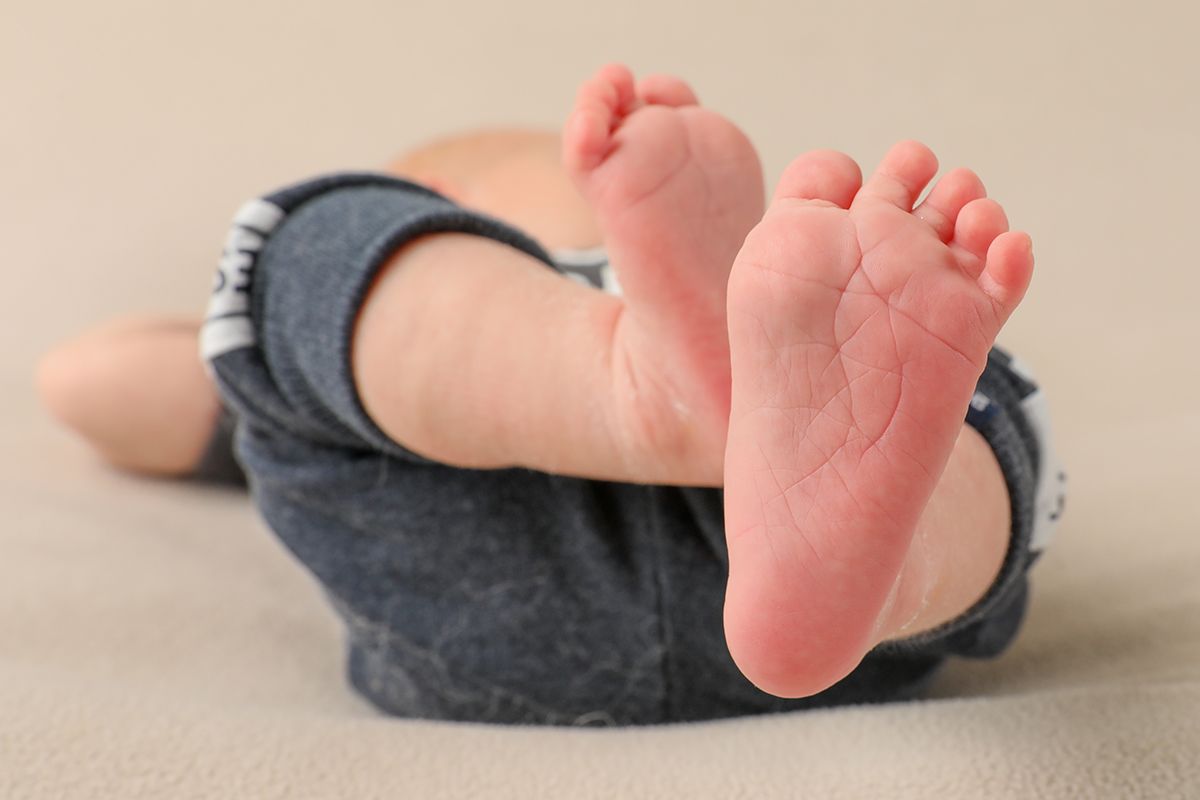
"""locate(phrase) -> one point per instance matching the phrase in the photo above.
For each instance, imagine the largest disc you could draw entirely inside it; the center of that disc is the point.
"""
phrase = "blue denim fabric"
(508, 595)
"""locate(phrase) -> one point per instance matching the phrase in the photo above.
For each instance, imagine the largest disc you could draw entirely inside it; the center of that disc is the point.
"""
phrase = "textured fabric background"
(155, 641)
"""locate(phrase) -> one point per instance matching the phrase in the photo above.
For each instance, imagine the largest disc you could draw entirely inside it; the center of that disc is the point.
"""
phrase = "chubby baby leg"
(475, 355)
(135, 390)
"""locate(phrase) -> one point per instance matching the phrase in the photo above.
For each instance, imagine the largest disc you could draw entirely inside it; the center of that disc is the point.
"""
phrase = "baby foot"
(675, 188)
(858, 327)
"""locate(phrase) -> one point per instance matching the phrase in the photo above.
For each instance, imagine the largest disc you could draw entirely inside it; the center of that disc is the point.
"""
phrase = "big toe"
(821, 175)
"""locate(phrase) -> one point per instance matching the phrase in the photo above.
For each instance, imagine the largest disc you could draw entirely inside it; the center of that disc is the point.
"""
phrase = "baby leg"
(452, 354)
(136, 391)
(134, 388)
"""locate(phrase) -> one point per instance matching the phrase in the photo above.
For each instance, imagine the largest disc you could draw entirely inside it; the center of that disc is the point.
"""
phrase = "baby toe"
(901, 175)
(599, 104)
(821, 175)
(947, 198)
(666, 90)
(615, 82)
(977, 226)
(1008, 270)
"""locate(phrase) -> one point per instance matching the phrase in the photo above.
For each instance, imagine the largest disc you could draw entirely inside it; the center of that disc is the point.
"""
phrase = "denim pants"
(513, 595)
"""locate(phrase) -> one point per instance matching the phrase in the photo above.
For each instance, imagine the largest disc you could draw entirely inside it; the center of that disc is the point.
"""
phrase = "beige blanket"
(156, 642)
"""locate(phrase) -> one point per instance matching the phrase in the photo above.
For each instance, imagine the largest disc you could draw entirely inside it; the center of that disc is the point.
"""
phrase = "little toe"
(666, 90)
(599, 104)
(1008, 270)
(902, 175)
(821, 175)
(586, 138)
(952, 191)
(977, 226)
(612, 85)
